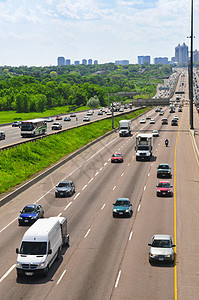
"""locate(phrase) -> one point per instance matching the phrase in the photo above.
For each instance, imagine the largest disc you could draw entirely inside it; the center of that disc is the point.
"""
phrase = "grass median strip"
(22, 162)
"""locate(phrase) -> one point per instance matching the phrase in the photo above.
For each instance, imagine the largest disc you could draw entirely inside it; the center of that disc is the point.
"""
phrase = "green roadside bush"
(22, 162)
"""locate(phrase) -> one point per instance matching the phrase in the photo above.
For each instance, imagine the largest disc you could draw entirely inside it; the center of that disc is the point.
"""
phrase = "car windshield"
(116, 155)
(163, 167)
(29, 209)
(161, 244)
(64, 184)
(122, 203)
(33, 248)
(164, 184)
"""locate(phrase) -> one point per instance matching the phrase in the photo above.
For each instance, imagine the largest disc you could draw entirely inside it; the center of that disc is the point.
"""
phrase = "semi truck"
(125, 128)
(41, 245)
(144, 146)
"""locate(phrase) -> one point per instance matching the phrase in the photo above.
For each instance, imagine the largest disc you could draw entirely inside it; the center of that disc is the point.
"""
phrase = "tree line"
(35, 89)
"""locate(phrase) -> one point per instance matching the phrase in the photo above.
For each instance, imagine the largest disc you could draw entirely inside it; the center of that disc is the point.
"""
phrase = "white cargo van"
(41, 245)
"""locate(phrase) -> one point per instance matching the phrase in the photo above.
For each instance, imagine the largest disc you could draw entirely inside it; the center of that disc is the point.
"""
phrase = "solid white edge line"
(87, 233)
(118, 278)
(59, 215)
(7, 273)
(130, 236)
(68, 205)
(60, 278)
(8, 224)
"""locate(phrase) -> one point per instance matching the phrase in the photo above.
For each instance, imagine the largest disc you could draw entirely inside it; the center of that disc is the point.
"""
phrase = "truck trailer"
(144, 146)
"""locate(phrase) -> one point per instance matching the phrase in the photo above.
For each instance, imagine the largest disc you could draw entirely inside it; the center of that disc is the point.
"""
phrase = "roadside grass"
(22, 162)
(11, 116)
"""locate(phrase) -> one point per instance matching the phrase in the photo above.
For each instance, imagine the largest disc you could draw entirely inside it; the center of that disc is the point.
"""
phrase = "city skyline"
(36, 32)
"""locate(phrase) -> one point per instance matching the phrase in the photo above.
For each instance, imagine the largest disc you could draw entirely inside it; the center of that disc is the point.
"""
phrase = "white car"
(161, 248)
(86, 119)
(152, 121)
(175, 117)
(155, 133)
(142, 121)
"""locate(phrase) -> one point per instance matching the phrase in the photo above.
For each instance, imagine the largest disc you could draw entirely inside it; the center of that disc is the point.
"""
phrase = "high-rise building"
(90, 61)
(181, 53)
(122, 62)
(84, 62)
(95, 62)
(61, 61)
(68, 62)
(144, 59)
(196, 56)
(161, 60)
(76, 62)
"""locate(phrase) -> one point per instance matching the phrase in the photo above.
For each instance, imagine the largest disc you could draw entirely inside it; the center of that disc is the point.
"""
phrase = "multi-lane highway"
(108, 257)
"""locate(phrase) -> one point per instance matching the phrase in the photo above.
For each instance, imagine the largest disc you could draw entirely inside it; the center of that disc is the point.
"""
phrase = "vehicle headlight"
(35, 217)
(115, 210)
(127, 210)
(152, 255)
(20, 218)
(168, 255)
(42, 264)
(18, 265)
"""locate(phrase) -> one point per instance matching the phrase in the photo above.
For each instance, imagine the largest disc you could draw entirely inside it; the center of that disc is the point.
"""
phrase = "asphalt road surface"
(108, 257)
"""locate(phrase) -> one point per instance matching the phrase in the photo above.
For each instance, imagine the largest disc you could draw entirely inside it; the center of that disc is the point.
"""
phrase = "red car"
(164, 188)
(117, 157)
(58, 118)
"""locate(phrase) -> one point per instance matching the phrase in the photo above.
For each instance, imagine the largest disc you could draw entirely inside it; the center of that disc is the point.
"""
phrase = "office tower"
(181, 53)
(61, 61)
(68, 62)
(76, 62)
(122, 62)
(95, 62)
(161, 60)
(84, 62)
(196, 56)
(144, 59)
(90, 61)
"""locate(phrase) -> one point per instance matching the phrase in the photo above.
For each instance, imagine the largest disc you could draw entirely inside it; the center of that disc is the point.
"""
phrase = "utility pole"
(191, 71)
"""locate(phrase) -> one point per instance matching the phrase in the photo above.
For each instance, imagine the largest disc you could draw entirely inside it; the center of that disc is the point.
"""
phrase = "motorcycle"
(166, 143)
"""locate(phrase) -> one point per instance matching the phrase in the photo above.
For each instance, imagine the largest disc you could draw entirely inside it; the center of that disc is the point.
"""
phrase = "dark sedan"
(30, 214)
(65, 188)
(67, 119)
(164, 171)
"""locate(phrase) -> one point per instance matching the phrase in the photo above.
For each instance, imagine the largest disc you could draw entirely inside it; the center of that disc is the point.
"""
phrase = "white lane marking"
(96, 173)
(114, 187)
(145, 188)
(76, 196)
(109, 159)
(87, 233)
(60, 278)
(105, 163)
(156, 150)
(151, 164)
(8, 224)
(122, 174)
(148, 174)
(68, 205)
(118, 278)
(119, 149)
(59, 215)
(101, 168)
(103, 206)
(7, 273)
(139, 207)
(90, 180)
(130, 236)
(84, 187)
(128, 165)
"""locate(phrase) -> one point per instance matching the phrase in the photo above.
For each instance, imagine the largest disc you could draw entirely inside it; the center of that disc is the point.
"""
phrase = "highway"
(108, 257)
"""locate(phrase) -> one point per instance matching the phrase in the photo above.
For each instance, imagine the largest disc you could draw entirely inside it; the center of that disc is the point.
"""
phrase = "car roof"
(163, 164)
(122, 199)
(162, 236)
(164, 182)
(117, 153)
(31, 205)
(66, 181)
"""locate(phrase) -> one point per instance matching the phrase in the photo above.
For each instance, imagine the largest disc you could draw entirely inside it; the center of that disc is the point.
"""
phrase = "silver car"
(161, 248)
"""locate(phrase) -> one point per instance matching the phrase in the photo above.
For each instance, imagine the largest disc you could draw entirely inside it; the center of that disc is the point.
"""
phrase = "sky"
(36, 32)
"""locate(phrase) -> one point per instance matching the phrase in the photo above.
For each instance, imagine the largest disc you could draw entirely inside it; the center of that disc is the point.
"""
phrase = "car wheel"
(46, 270)
(58, 254)
(55, 195)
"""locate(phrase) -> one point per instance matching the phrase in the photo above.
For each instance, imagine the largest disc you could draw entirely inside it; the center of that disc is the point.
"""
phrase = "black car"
(2, 135)
(67, 119)
(164, 171)
(122, 208)
(30, 214)
(174, 122)
(65, 188)
(16, 124)
(164, 121)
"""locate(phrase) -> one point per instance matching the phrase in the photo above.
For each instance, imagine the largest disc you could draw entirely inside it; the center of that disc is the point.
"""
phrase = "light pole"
(191, 71)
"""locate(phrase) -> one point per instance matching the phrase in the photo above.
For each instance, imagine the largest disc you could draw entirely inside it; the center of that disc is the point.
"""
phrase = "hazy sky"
(36, 32)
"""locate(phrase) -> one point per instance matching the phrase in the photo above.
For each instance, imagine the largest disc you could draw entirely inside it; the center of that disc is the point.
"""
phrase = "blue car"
(30, 214)
(122, 208)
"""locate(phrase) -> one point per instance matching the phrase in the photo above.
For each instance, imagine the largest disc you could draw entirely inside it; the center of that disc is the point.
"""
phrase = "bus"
(32, 128)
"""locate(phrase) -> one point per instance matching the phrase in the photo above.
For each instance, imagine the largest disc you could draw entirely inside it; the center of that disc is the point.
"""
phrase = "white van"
(41, 245)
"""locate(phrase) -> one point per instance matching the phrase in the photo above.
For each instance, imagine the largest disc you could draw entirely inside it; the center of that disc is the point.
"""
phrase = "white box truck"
(125, 128)
(144, 146)
(41, 245)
